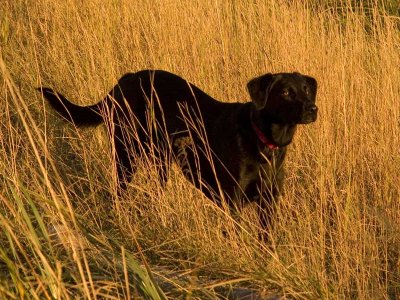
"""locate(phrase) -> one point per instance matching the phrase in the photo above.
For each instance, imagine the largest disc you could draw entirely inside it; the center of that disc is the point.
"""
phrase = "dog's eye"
(285, 93)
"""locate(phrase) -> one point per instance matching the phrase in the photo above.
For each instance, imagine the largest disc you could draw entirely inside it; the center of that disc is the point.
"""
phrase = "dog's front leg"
(266, 211)
(270, 188)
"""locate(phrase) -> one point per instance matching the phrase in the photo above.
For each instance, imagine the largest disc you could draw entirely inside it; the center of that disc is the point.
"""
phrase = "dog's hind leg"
(123, 160)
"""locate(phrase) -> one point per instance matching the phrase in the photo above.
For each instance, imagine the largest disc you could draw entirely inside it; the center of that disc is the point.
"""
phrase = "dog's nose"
(312, 108)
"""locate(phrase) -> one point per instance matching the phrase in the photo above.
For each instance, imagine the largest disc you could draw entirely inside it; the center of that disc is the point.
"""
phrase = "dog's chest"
(248, 174)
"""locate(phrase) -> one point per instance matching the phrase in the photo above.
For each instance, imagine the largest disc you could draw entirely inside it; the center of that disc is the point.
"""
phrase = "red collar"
(263, 138)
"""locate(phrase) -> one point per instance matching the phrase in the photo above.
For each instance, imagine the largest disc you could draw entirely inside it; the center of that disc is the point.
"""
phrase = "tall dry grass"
(66, 234)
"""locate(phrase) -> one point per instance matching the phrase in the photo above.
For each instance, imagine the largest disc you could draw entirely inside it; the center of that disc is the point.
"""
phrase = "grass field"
(66, 235)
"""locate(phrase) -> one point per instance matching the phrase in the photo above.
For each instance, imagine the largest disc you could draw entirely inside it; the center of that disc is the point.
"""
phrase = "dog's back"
(168, 94)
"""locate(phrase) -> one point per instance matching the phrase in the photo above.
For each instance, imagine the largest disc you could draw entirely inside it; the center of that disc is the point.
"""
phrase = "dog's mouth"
(309, 114)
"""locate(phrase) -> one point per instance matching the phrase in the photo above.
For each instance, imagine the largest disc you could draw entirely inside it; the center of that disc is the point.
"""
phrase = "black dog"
(231, 151)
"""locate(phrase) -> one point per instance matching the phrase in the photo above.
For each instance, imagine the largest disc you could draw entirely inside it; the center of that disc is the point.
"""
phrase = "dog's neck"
(263, 139)
(281, 134)
(271, 135)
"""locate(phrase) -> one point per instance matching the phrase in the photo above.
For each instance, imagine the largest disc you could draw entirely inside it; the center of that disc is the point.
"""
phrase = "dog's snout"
(309, 114)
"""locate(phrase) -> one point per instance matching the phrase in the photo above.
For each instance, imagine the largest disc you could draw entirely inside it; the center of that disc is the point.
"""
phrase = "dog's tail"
(79, 115)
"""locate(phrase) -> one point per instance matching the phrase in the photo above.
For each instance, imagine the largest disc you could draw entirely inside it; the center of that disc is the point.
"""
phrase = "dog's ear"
(259, 88)
(312, 84)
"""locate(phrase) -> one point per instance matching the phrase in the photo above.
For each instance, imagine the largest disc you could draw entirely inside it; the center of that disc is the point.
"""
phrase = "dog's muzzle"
(309, 114)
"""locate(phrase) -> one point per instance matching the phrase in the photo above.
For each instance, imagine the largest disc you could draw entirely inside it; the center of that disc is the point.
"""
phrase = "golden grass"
(65, 235)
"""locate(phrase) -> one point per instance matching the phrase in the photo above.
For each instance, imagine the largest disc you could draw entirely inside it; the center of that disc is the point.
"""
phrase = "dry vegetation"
(64, 234)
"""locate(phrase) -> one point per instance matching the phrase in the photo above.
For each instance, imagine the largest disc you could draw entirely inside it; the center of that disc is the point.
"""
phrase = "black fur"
(233, 151)
(81, 116)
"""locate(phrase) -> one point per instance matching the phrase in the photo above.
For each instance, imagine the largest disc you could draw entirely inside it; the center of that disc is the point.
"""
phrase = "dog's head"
(285, 98)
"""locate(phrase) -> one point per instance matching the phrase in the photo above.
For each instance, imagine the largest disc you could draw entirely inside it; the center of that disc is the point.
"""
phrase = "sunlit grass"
(66, 234)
